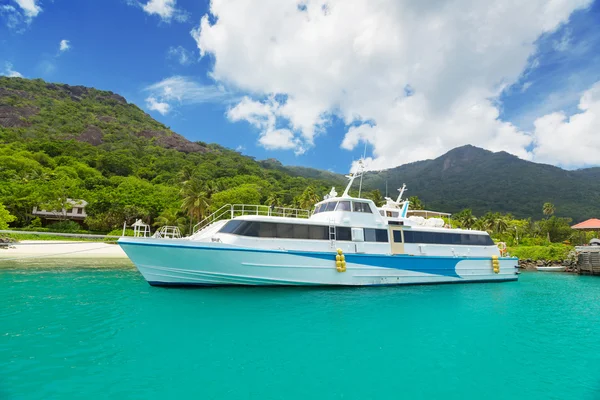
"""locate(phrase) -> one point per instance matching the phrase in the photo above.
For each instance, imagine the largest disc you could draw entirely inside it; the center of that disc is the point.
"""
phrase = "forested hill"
(60, 141)
(470, 177)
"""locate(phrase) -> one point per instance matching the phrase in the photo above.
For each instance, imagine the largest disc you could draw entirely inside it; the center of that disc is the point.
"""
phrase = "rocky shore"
(530, 265)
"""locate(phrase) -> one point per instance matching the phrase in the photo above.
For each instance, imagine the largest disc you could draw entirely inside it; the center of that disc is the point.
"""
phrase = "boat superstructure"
(343, 241)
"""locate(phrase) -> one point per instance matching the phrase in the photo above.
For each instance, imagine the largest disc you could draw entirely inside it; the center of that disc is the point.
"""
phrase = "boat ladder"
(332, 236)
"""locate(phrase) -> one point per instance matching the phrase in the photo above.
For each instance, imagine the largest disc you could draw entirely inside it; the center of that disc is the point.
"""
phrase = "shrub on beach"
(65, 226)
(552, 252)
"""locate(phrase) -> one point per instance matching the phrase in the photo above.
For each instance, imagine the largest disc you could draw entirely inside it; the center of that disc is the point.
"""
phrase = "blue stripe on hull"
(445, 266)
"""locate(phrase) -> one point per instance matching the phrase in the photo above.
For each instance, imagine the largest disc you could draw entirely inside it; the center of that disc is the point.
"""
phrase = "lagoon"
(76, 331)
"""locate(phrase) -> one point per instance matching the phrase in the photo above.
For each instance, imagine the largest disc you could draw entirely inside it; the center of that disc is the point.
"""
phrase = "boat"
(343, 241)
(558, 268)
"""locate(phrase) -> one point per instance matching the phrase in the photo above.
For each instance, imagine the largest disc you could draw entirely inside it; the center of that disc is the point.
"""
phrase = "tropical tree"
(500, 224)
(483, 224)
(465, 218)
(548, 210)
(416, 203)
(376, 196)
(308, 198)
(195, 200)
(274, 200)
(5, 217)
(170, 217)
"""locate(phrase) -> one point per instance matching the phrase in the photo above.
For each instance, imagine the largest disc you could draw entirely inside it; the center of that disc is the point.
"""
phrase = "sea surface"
(68, 332)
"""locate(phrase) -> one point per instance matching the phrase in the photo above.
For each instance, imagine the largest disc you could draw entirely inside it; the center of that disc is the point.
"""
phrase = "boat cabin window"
(320, 208)
(330, 206)
(298, 231)
(376, 235)
(343, 233)
(343, 206)
(463, 239)
(392, 214)
(358, 206)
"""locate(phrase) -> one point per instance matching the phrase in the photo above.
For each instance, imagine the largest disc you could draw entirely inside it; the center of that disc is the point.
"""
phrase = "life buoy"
(502, 248)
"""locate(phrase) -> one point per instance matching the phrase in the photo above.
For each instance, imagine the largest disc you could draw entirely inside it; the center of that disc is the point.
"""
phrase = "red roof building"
(589, 225)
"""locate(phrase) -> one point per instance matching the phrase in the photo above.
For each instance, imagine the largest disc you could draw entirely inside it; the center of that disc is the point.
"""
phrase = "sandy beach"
(51, 249)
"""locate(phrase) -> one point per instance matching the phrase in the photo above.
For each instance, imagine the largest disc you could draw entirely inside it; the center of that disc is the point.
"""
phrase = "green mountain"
(470, 177)
(59, 142)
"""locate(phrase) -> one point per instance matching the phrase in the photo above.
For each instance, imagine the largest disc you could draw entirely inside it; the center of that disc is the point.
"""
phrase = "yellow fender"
(496, 264)
(340, 261)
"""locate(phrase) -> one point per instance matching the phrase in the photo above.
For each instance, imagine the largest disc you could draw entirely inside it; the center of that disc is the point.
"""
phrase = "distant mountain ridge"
(471, 177)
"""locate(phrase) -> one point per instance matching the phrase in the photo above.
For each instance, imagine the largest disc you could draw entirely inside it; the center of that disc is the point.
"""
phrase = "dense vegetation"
(59, 142)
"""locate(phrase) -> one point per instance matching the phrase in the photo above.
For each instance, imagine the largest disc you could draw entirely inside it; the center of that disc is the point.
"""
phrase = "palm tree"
(274, 200)
(185, 174)
(376, 196)
(466, 218)
(169, 217)
(416, 203)
(500, 225)
(483, 224)
(548, 209)
(308, 198)
(195, 200)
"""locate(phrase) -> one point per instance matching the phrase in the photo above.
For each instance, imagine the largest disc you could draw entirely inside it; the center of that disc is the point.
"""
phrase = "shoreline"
(61, 250)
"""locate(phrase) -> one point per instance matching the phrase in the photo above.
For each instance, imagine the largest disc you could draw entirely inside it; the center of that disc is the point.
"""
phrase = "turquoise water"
(99, 333)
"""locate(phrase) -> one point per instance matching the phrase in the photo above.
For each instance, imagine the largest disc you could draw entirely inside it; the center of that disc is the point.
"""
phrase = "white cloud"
(355, 59)
(155, 105)
(182, 56)
(10, 72)
(28, 9)
(184, 90)
(166, 10)
(570, 141)
(263, 115)
(64, 45)
(278, 139)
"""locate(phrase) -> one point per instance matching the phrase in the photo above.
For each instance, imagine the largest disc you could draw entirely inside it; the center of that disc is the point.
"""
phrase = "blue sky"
(285, 80)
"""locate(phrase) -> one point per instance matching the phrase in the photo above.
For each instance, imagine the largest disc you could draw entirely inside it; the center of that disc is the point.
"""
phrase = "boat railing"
(167, 232)
(229, 211)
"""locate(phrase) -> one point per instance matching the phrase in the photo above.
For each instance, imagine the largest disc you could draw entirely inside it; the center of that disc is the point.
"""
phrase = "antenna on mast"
(360, 162)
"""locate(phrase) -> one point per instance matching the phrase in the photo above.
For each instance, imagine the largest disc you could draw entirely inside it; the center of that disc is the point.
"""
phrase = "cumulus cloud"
(64, 45)
(182, 90)
(413, 79)
(263, 115)
(15, 17)
(180, 54)
(29, 7)
(166, 10)
(570, 140)
(10, 72)
(155, 105)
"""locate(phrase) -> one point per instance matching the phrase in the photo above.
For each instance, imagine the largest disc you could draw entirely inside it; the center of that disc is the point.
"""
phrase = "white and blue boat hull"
(184, 262)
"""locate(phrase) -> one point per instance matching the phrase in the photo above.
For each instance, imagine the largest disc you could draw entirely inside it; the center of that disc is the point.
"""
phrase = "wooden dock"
(588, 260)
